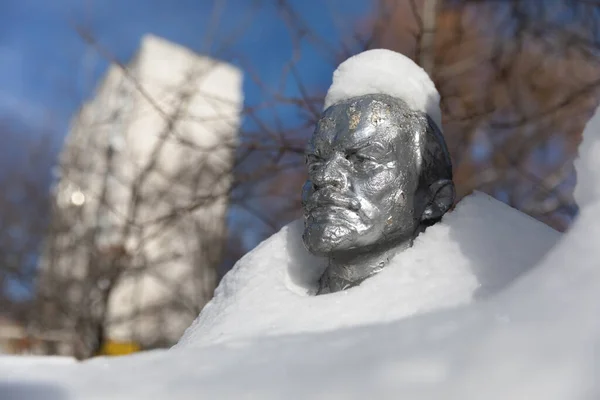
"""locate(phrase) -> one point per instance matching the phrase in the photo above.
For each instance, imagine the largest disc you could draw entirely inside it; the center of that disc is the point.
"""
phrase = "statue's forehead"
(361, 120)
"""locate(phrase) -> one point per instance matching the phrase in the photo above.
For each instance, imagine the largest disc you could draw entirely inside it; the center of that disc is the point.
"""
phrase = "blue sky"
(46, 69)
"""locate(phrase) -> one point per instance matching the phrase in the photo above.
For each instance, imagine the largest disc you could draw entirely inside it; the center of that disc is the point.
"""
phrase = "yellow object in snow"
(113, 348)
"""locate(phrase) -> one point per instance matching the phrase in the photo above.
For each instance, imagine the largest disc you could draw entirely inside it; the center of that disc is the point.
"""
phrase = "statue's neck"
(346, 270)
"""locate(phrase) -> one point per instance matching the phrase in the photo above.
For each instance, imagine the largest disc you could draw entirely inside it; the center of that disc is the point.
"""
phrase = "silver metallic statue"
(379, 174)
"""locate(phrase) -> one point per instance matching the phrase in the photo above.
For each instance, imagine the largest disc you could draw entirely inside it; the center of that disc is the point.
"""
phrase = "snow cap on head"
(382, 71)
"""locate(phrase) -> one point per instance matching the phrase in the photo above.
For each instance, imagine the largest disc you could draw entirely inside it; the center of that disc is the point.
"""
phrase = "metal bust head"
(379, 172)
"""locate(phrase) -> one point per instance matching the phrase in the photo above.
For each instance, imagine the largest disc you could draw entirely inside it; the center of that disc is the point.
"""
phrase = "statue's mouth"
(327, 198)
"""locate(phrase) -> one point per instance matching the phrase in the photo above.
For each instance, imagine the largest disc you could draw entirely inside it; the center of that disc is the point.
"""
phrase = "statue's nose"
(331, 173)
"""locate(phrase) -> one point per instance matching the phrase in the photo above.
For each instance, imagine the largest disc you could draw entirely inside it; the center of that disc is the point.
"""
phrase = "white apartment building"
(141, 198)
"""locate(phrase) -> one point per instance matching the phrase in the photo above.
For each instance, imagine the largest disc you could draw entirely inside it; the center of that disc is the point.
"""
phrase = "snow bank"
(475, 251)
(382, 71)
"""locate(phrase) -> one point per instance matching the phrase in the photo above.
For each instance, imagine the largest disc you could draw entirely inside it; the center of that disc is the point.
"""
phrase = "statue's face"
(362, 176)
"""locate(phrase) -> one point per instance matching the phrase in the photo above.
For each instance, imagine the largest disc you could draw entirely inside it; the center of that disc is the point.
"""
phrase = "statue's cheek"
(380, 181)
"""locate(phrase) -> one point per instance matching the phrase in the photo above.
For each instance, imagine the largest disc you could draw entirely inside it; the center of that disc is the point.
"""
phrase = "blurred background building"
(167, 166)
(138, 224)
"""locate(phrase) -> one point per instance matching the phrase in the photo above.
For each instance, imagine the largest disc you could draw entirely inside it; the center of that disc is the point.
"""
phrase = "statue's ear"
(441, 198)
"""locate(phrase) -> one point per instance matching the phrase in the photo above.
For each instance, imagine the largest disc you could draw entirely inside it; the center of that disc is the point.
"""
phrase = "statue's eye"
(357, 158)
(312, 158)
(313, 163)
(360, 159)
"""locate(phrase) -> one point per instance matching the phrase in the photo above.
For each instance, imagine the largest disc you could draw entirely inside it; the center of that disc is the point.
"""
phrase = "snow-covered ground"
(489, 304)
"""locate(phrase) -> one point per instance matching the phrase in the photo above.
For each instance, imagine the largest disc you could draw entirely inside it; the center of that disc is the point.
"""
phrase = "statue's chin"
(324, 238)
